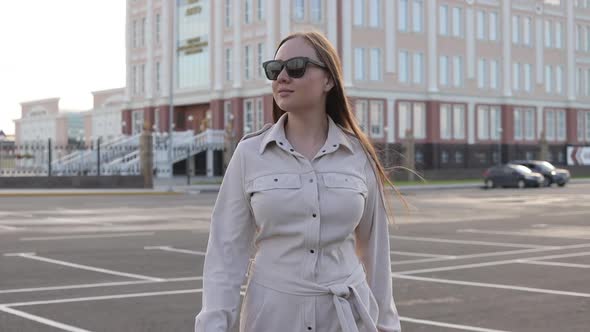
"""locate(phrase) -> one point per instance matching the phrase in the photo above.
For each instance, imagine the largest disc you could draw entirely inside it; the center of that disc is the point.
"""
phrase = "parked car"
(552, 175)
(511, 175)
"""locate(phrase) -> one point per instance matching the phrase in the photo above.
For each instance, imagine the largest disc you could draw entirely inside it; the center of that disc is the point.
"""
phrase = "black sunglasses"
(295, 67)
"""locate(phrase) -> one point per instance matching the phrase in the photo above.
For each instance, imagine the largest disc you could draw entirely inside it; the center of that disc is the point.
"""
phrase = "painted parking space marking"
(85, 236)
(171, 249)
(452, 326)
(41, 320)
(481, 243)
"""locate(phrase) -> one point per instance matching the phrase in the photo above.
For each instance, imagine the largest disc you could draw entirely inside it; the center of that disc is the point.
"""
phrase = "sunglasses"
(295, 67)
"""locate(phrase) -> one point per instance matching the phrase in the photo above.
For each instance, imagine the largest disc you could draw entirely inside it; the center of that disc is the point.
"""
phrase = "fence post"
(98, 156)
(49, 156)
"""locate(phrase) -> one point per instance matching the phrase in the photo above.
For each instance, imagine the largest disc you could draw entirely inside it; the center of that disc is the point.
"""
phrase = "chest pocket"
(275, 181)
(345, 181)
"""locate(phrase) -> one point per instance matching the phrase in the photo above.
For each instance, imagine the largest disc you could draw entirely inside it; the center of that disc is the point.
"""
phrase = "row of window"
(254, 10)
(138, 78)
(253, 114)
(584, 126)
(139, 31)
(248, 57)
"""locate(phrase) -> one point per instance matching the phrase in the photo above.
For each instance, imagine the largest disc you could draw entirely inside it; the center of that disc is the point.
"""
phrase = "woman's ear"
(329, 84)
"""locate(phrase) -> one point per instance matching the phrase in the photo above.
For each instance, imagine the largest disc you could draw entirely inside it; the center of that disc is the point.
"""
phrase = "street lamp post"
(499, 146)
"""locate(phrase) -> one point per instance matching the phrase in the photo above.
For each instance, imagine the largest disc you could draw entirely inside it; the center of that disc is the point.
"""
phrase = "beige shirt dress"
(310, 237)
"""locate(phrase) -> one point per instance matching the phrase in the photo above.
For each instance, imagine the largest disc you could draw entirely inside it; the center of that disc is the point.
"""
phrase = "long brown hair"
(337, 105)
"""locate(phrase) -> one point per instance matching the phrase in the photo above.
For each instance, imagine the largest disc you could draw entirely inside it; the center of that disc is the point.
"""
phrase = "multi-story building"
(474, 81)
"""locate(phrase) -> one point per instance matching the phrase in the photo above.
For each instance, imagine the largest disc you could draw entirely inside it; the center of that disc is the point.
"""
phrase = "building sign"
(578, 155)
(192, 46)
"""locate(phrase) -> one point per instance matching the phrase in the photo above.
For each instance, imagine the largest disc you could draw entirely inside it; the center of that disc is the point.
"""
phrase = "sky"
(59, 48)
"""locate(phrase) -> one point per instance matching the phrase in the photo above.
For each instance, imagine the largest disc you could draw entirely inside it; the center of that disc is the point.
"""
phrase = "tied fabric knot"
(340, 290)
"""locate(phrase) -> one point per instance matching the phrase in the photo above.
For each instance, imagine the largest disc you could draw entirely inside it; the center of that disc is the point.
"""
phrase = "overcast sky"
(59, 48)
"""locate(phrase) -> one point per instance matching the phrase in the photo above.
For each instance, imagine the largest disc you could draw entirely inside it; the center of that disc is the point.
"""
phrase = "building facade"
(474, 81)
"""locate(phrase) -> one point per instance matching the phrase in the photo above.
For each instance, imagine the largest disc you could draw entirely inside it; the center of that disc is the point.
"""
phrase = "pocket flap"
(276, 181)
(338, 180)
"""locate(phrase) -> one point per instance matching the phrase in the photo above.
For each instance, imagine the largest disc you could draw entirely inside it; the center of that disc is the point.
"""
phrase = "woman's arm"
(372, 245)
(228, 251)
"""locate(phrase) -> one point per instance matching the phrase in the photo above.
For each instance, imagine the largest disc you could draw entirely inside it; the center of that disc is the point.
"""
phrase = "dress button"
(276, 180)
(312, 251)
(309, 328)
(310, 180)
(291, 150)
(334, 145)
(323, 151)
(280, 143)
(313, 215)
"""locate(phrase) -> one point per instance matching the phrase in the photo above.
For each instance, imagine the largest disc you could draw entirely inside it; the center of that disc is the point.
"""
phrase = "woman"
(304, 198)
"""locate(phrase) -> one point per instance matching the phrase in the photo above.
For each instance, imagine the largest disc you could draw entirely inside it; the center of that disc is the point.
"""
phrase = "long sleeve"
(372, 246)
(228, 251)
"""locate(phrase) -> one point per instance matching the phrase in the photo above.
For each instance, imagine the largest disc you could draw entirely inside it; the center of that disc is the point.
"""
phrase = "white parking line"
(168, 248)
(509, 261)
(453, 326)
(85, 236)
(95, 285)
(488, 285)
(42, 320)
(84, 267)
(480, 243)
(8, 228)
(580, 266)
(418, 254)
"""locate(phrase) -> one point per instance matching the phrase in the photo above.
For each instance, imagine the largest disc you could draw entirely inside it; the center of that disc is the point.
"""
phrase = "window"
(134, 34)
(516, 76)
(580, 126)
(579, 81)
(142, 79)
(418, 65)
(446, 119)
(376, 64)
(412, 116)
(259, 60)
(494, 74)
(227, 113)
(158, 77)
(559, 79)
(248, 116)
(558, 35)
(443, 75)
(403, 67)
(417, 15)
(587, 38)
(376, 119)
(135, 80)
(457, 71)
(529, 122)
(402, 15)
(547, 33)
(548, 79)
(517, 124)
(443, 20)
(259, 115)
(361, 114)
(578, 37)
(526, 31)
(561, 125)
(458, 121)
(524, 123)
(515, 29)
(457, 22)
(587, 82)
(375, 13)
(228, 64)
(158, 27)
(228, 13)
(359, 57)
(527, 77)
(481, 73)
(493, 26)
(299, 9)
(495, 122)
(588, 126)
(483, 122)
(359, 12)
(143, 31)
(247, 61)
(550, 125)
(480, 25)
(316, 11)
(260, 9)
(248, 11)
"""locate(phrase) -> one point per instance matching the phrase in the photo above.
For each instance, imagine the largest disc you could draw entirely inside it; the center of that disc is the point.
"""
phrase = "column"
(346, 42)
(218, 58)
(470, 43)
(571, 64)
(271, 29)
(238, 45)
(432, 51)
(506, 48)
(332, 19)
(390, 34)
(470, 123)
(539, 49)
(390, 120)
(285, 18)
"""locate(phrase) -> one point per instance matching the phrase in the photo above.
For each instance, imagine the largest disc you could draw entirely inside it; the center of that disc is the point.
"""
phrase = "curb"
(87, 193)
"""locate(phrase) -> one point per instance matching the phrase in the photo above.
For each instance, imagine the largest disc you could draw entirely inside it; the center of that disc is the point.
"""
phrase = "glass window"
(248, 11)
(260, 9)
(516, 76)
(527, 77)
(158, 76)
(259, 114)
(587, 81)
(443, 75)
(550, 125)
(587, 38)
(405, 119)
(494, 74)
(458, 121)
(561, 125)
(402, 15)
(417, 14)
(376, 64)
(445, 121)
(495, 122)
(418, 66)
(248, 117)
(299, 9)
(228, 13)
(375, 14)
(443, 20)
(579, 81)
(227, 113)
(403, 67)
(359, 57)
(457, 22)
(558, 35)
(517, 124)
(580, 126)
(493, 26)
(480, 25)
(515, 29)
(247, 64)
(376, 119)
(547, 33)
(361, 114)
(481, 73)
(359, 12)
(578, 37)
(259, 60)
(588, 126)
(529, 124)
(483, 123)
(158, 27)
(526, 31)
(419, 110)
(548, 79)
(457, 71)
(559, 79)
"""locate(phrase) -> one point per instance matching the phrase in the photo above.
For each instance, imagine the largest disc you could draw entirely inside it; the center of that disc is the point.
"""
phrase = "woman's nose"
(283, 76)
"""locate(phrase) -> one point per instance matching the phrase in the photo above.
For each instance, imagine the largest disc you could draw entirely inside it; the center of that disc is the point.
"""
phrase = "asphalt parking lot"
(463, 260)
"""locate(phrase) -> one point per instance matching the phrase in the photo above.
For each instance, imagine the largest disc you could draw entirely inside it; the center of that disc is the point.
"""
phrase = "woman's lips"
(285, 93)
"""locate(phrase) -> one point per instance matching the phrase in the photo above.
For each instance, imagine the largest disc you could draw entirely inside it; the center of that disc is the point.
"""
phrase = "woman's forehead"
(296, 47)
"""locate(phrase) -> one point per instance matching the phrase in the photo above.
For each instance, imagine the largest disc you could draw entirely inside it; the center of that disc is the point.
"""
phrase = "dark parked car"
(511, 176)
(552, 175)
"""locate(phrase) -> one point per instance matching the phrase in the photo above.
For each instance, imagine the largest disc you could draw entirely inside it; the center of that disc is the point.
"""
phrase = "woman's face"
(304, 93)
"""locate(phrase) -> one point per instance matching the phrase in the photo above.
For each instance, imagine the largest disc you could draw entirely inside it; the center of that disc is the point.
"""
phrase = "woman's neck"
(307, 132)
